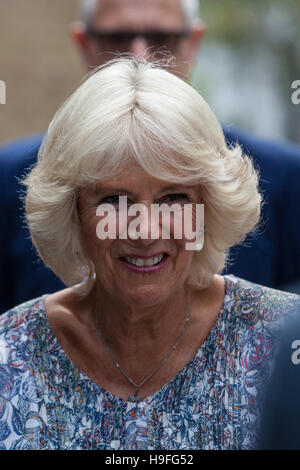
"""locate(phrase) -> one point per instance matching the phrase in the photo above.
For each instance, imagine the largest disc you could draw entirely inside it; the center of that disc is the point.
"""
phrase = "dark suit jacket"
(280, 422)
(22, 274)
(272, 258)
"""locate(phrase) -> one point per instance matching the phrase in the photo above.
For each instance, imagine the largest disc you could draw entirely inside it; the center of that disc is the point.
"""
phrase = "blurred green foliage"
(249, 27)
(237, 21)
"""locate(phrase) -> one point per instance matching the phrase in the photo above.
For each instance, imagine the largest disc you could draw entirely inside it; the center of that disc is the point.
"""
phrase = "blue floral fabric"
(46, 402)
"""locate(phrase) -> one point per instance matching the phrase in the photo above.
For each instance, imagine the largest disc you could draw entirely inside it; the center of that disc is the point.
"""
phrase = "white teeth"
(140, 262)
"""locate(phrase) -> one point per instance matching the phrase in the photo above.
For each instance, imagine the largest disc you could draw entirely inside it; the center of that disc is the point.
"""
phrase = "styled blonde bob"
(130, 112)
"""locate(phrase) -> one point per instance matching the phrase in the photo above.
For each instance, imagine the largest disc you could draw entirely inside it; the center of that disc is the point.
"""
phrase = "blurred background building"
(38, 63)
(248, 62)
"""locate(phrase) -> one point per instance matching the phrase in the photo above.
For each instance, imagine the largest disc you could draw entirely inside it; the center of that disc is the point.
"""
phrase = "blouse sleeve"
(19, 420)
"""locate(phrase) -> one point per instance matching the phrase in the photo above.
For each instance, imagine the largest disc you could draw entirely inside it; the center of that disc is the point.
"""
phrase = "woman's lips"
(145, 269)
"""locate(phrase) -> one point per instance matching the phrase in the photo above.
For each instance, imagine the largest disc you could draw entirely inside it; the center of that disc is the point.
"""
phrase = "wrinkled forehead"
(139, 14)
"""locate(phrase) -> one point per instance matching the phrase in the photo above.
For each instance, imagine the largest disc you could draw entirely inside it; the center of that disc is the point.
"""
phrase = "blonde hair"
(129, 111)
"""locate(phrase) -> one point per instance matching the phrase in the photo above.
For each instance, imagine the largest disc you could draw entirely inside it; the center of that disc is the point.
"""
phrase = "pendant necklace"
(134, 397)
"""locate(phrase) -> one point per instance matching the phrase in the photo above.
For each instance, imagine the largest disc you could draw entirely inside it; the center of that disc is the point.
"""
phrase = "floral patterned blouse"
(46, 402)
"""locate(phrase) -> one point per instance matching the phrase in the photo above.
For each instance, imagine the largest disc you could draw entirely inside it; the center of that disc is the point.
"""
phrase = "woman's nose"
(145, 227)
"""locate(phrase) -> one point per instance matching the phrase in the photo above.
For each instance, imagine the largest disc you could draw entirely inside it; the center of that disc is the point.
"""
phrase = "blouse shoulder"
(16, 327)
(255, 303)
(19, 394)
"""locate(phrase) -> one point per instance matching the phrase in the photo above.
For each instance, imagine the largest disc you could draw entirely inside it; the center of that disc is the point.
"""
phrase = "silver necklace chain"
(134, 397)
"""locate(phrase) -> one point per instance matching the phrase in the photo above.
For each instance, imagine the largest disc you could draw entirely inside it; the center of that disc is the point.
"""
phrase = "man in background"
(280, 420)
(141, 27)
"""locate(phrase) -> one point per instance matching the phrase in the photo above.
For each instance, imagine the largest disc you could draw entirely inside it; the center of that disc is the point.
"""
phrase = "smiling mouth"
(145, 262)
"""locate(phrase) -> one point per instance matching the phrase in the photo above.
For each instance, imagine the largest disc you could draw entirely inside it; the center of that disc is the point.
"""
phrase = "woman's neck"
(140, 338)
(130, 329)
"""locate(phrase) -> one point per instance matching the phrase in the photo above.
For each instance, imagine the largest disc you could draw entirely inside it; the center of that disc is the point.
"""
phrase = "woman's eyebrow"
(178, 189)
(107, 190)
(100, 190)
(174, 188)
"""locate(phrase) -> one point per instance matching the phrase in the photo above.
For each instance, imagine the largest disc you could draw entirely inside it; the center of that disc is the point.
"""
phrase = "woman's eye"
(168, 198)
(175, 197)
(110, 200)
(115, 200)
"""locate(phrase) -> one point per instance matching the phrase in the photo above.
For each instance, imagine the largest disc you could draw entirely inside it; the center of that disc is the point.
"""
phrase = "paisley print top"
(46, 402)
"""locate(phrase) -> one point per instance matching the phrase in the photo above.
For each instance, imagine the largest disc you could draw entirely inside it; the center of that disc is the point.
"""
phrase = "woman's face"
(147, 270)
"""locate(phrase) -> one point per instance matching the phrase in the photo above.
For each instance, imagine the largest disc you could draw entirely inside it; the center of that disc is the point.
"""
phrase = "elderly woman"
(148, 347)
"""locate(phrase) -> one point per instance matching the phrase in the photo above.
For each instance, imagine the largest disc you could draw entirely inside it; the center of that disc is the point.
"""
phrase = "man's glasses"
(120, 41)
